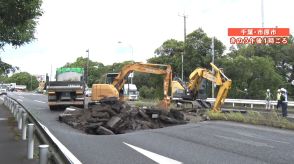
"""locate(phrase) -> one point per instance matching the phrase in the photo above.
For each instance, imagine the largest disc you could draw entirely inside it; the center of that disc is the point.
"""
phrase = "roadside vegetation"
(271, 119)
(254, 67)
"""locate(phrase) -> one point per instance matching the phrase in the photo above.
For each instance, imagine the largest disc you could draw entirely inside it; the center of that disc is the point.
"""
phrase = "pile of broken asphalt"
(112, 116)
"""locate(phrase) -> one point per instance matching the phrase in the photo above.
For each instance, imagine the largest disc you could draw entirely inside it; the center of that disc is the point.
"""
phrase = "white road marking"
(21, 97)
(3, 119)
(2, 98)
(245, 141)
(40, 101)
(19, 100)
(155, 157)
(65, 151)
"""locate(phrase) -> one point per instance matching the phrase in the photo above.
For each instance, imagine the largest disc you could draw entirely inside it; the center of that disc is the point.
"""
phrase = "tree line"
(254, 67)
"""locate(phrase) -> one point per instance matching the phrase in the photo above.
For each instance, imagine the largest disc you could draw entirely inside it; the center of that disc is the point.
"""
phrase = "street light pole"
(87, 76)
(185, 17)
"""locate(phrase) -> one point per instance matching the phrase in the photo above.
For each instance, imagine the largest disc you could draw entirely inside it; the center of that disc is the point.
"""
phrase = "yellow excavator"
(100, 91)
(189, 91)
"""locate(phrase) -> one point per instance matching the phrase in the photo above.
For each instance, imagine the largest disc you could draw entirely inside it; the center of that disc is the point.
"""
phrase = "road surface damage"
(112, 116)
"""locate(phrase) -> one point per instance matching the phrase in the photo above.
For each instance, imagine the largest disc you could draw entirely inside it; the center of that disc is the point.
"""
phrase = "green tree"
(169, 52)
(149, 81)
(257, 74)
(18, 21)
(97, 70)
(281, 55)
(197, 52)
(24, 78)
(6, 68)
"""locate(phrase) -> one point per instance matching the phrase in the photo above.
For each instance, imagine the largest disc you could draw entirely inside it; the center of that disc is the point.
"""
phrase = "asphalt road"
(205, 142)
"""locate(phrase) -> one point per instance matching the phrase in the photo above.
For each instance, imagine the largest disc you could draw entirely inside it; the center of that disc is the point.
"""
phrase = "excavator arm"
(100, 91)
(225, 85)
(218, 78)
(119, 80)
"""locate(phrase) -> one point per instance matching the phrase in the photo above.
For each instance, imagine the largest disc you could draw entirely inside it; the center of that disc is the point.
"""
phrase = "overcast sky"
(69, 27)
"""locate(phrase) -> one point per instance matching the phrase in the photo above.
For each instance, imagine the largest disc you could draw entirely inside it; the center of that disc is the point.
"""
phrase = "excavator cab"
(115, 82)
(194, 89)
(180, 93)
(110, 77)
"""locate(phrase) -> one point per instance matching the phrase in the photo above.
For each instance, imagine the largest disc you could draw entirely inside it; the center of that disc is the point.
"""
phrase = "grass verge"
(146, 102)
(271, 119)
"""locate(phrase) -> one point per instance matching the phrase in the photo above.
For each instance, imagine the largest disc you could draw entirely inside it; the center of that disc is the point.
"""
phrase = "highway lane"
(206, 142)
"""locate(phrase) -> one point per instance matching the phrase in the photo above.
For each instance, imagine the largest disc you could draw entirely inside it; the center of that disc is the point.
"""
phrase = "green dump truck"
(67, 90)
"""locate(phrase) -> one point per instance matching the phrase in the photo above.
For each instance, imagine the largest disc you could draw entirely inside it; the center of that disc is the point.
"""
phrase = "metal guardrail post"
(30, 141)
(60, 153)
(24, 126)
(5, 101)
(9, 104)
(15, 111)
(251, 106)
(233, 104)
(19, 116)
(11, 109)
(43, 151)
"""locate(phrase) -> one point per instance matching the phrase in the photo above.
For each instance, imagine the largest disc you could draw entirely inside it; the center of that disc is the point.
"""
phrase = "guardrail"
(250, 102)
(57, 151)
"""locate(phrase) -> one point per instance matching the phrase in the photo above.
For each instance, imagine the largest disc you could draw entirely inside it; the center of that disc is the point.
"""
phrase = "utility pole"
(184, 53)
(132, 57)
(87, 76)
(50, 73)
(212, 54)
(262, 14)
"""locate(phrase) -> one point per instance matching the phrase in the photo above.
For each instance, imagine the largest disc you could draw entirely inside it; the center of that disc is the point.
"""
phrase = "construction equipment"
(67, 90)
(189, 91)
(114, 89)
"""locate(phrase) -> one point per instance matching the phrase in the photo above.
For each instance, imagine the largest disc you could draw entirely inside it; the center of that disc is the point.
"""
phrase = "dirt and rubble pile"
(112, 116)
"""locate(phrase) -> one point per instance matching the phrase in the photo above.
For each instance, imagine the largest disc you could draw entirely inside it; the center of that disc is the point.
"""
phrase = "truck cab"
(67, 90)
(130, 92)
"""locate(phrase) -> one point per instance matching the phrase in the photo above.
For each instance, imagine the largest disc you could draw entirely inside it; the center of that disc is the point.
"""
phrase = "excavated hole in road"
(112, 116)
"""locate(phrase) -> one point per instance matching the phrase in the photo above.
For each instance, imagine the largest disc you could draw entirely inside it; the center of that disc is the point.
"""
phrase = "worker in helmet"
(284, 102)
(279, 102)
(268, 99)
